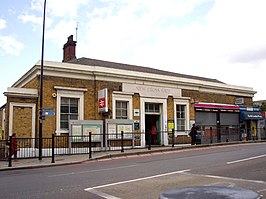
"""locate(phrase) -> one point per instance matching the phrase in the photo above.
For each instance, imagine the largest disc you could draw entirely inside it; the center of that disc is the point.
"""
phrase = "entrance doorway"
(152, 129)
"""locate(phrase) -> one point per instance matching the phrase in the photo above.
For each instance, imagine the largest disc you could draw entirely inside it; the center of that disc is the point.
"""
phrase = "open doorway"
(152, 128)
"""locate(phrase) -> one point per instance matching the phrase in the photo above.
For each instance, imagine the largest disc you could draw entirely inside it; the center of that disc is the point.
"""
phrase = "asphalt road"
(144, 176)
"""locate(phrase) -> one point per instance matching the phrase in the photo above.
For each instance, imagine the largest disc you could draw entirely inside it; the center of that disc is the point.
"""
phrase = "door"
(152, 129)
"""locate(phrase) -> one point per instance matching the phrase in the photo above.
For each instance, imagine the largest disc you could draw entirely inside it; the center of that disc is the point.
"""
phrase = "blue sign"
(48, 112)
(244, 108)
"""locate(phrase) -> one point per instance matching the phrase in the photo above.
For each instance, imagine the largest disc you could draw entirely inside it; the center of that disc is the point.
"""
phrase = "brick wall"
(90, 97)
(197, 96)
(18, 116)
(91, 104)
(22, 122)
(1, 125)
(170, 108)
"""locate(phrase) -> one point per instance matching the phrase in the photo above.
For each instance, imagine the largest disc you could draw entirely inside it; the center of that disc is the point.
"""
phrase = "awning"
(216, 106)
(250, 115)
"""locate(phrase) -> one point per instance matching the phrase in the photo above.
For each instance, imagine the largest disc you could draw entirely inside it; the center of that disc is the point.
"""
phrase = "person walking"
(14, 145)
(192, 134)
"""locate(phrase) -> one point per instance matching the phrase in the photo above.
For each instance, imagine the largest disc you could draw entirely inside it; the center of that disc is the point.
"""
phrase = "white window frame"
(122, 97)
(186, 103)
(68, 93)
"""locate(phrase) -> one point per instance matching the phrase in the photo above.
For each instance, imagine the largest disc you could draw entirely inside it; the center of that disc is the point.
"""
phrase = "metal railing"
(69, 145)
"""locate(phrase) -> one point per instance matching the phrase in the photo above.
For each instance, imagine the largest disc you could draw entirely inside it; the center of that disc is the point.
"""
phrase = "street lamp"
(41, 86)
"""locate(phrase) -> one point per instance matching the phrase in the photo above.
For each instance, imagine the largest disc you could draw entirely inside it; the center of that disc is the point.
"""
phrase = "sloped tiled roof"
(108, 64)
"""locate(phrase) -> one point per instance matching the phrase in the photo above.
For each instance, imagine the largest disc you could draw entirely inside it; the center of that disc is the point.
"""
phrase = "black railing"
(68, 145)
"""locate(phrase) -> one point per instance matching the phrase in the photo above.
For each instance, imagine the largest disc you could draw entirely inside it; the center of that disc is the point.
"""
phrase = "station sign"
(103, 101)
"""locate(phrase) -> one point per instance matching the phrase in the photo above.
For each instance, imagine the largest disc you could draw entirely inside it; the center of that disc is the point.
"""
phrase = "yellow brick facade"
(22, 123)
(197, 96)
(1, 124)
(22, 116)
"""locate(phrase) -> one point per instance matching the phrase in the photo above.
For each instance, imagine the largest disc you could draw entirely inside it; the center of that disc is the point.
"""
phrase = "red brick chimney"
(69, 49)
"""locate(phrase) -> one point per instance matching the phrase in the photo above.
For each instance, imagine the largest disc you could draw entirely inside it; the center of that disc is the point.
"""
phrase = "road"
(143, 176)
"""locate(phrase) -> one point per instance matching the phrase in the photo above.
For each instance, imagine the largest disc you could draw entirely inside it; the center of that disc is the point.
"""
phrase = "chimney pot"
(69, 49)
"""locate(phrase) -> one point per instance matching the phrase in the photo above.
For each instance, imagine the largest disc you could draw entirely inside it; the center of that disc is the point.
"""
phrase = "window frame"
(181, 112)
(127, 97)
(121, 109)
(69, 112)
(64, 92)
(184, 102)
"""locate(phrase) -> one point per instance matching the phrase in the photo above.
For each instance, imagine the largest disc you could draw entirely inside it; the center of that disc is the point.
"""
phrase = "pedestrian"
(192, 134)
(154, 134)
(14, 145)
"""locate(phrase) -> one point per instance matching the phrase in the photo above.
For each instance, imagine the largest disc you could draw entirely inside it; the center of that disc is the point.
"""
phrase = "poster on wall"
(95, 132)
(112, 132)
(171, 125)
(127, 129)
(76, 133)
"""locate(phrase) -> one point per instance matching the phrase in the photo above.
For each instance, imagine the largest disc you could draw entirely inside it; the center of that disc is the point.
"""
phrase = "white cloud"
(236, 27)
(227, 41)
(2, 24)
(119, 29)
(30, 18)
(59, 8)
(37, 5)
(61, 31)
(10, 45)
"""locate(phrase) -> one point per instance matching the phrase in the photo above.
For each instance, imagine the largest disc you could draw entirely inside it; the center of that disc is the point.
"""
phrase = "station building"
(90, 89)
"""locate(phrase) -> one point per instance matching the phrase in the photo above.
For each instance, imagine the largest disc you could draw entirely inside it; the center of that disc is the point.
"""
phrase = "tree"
(263, 106)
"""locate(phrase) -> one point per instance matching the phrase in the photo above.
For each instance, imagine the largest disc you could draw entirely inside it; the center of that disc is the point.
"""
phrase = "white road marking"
(227, 178)
(91, 171)
(246, 159)
(183, 172)
(103, 195)
(137, 179)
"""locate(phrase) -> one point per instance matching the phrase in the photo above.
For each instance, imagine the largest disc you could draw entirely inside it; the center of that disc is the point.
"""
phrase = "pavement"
(30, 163)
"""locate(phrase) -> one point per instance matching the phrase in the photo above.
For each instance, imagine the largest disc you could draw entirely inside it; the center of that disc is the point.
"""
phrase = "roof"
(108, 64)
(3, 107)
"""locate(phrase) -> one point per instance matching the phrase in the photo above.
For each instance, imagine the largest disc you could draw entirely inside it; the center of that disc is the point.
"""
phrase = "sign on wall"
(151, 91)
(103, 101)
(79, 130)
(115, 126)
(239, 101)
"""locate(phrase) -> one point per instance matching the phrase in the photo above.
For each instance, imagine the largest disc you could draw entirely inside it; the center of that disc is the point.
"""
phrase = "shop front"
(217, 122)
(250, 125)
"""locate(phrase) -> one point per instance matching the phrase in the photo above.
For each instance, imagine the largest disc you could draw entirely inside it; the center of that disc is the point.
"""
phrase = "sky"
(219, 39)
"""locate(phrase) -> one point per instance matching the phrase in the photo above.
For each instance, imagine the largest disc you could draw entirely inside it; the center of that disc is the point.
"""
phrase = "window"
(152, 108)
(69, 106)
(122, 105)
(69, 110)
(121, 108)
(181, 117)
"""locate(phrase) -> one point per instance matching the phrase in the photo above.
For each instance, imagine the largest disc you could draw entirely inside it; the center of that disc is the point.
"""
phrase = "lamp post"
(41, 87)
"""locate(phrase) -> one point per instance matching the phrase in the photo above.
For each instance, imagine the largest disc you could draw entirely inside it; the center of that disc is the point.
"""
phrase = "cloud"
(59, 33)
(132, 27)
(30, 18)
(226, 42)
(2, 24)
(59, 8)
(236, 29)
(252, 55)
(10, 45)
